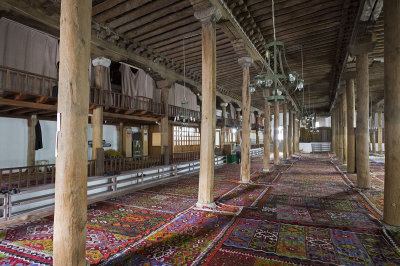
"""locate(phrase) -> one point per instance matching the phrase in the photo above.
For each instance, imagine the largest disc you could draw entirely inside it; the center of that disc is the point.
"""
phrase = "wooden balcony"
(176, 111)
(23, 94)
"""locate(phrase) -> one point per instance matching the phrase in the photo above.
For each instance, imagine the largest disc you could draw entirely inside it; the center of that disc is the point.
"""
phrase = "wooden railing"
(18, 206)
(118, 165)
(233, 122)
(29, 83)
(26, 82)
(120, 101)
(179, 157)
(176, 111)
(30, 176)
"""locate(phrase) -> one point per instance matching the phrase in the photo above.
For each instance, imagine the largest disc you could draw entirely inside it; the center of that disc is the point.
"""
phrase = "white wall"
(14, 141)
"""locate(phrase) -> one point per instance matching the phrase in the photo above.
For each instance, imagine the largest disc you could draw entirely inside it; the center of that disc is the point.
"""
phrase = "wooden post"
(238, 140)
(223, 129)
(290, 133)
(340, 129)
(70, 213)
(97, 126)
(245, 63)
(380, 131)
(165, 149)
(350, 101)
(267, 135)
(257, 129)
(295, 132)
(344, 126)
(277, 160)
(373, 132)
(120, 137)
(208, 18)
(333, 118)
(285, 132)
(298, 136)
(391, 213)
(31, 140)
(362, 132)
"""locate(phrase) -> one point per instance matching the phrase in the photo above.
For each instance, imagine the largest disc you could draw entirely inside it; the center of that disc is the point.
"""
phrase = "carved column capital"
(207, 15)
(245, 61)
(101, 61)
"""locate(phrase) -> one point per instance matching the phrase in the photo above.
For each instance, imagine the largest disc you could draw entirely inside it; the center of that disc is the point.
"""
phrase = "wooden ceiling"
(151, 34)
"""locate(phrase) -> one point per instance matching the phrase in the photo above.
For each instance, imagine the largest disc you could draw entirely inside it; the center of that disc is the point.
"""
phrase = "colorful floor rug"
(257, 242)
(308, 215)
(155, 202)
(179, 243)
(244, 195)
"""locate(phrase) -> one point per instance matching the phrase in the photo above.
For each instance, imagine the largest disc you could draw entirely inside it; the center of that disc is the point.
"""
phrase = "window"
(186, 136)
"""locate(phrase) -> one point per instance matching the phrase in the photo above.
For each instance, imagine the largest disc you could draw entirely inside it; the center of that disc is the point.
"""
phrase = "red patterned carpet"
(302, 213)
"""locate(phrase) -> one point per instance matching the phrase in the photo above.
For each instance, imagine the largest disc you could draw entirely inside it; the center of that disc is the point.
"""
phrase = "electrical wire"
(273, 19)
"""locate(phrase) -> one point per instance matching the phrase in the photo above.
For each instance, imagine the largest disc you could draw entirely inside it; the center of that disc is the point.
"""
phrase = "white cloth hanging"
(27, 49)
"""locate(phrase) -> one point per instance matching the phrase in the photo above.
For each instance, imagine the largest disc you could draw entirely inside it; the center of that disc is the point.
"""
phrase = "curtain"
(128, 80)
(24, 48)
(171, 95)
(253, 118)
(232, 110)
(157, 95)
(145, 85)
(139, 84)
(179, 93)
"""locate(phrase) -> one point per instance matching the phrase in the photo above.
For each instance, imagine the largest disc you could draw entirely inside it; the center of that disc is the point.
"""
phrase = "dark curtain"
(38, 140)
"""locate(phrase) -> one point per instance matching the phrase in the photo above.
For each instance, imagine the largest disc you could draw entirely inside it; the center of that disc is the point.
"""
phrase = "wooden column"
(208, 18)
(257, 130)
(298, 136)
(267, 135)
(31, 152)
(277, 160)
(391, 214)
(165, 149)
(373, 132)
(344, 125)
(285, 132)
(238, 134)
(333, 130)
(350, 102)
(340, 128)
(70, 213)
(120, 137)
(223, 129)
(362, 132)
(295, 132)
(245, 63)
(100, 79)
(290, 133)
(380, 131)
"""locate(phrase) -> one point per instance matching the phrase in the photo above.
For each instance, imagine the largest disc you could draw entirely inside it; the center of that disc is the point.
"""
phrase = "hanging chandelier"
(184, 116)
(275, 79)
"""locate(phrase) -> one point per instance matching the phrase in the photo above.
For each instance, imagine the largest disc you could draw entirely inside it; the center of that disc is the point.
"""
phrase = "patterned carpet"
(375, 194)
(300, 213)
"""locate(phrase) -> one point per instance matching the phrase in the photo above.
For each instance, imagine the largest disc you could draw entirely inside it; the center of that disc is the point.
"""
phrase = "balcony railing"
(177, 111)
(18, 81)
(26, 82)
(124, 102)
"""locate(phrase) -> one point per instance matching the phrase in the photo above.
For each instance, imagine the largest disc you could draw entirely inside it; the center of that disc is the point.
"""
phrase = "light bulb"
(279, 92)
(300, 84)
(252, 88)
(269, 83)
(292, 78)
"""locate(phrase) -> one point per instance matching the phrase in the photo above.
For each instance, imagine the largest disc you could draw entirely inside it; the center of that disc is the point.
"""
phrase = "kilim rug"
(180, 242)
(308, 215)
(155, 202)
